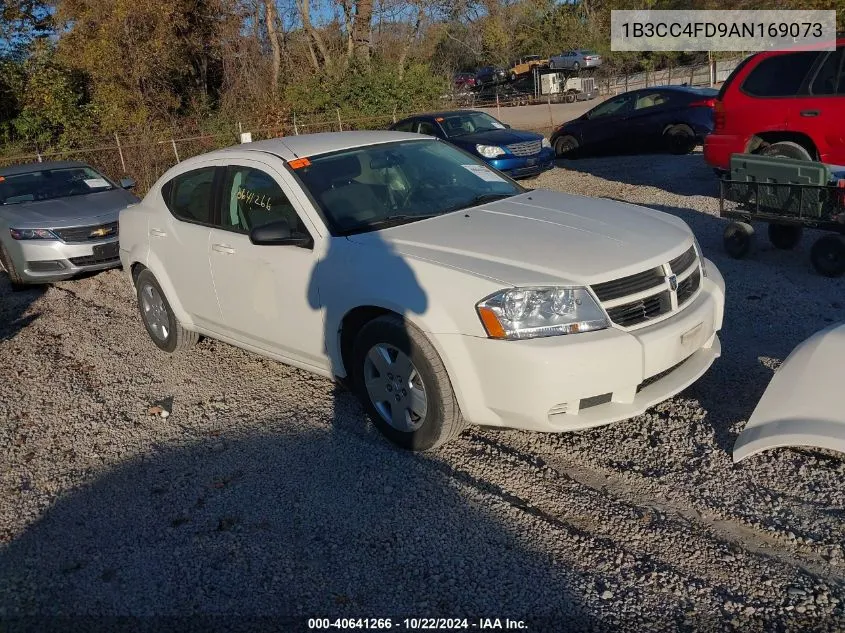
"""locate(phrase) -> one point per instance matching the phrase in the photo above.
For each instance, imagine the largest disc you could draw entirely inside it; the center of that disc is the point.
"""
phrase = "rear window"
(779, 76)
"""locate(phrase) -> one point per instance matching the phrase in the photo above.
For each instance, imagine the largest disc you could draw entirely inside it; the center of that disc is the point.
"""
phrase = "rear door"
(649, 116)
(820, 112)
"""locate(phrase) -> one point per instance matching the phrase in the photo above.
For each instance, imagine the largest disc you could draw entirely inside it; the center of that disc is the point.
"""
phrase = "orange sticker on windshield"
(440, 119)
(2, 178)
(299, 163)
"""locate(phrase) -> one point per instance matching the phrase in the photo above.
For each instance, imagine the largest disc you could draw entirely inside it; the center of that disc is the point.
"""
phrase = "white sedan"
(442, 292)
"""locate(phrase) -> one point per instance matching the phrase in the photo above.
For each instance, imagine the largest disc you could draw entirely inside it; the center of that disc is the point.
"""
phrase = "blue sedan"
(516, 153)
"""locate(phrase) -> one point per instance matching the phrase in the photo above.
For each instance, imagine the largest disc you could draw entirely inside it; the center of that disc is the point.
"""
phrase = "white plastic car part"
(804, 404)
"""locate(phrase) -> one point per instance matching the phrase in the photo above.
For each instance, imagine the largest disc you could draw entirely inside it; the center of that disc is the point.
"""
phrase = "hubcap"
(395, 387)
(154, 312)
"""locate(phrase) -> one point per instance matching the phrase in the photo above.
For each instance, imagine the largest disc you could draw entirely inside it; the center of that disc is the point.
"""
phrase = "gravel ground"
(265, 496)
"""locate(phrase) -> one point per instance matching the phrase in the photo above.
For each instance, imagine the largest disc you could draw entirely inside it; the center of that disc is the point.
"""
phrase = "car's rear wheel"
(15, 280)
(565, 146)
(576, 67)
(160, 322)
(785, 236)
(828, 255)
(679, 139)
(738, 239)
(403, 385)
(787, 149)
(570, 97)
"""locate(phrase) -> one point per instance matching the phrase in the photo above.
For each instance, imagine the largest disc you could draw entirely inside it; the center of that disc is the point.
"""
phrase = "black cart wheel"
(828, 255)
(785, 236)
(738, 239)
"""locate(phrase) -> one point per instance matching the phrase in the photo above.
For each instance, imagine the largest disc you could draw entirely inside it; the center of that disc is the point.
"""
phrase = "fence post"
(498, 108)
(551, 118)
(394, 113)
(120, 152)
(295, 129)
(692, 76)
(626, 82)
(173, 143)
(38, 153)
(339, 124)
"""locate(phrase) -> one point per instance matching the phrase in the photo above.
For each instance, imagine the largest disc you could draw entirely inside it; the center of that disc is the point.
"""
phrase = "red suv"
(782, 104)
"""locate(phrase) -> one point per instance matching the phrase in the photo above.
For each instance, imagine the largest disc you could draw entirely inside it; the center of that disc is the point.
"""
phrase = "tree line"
(74, 69)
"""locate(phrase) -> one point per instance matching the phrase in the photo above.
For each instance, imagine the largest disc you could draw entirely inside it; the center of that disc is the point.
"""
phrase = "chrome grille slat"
(527, 148)
(638, 310)
(683, 262)
(630, 285)
(83, 233)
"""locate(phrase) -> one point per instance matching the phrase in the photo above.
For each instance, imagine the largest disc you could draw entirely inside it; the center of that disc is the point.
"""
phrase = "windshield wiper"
(392, 220)
(484, 197)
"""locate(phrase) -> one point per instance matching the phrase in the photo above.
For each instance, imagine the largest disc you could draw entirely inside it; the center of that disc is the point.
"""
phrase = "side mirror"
(278, 233)
(128, 183)
(507, 125)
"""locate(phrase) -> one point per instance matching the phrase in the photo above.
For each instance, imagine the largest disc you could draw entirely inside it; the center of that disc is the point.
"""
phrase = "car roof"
(304, 145)
(26, 168)
(444, 113)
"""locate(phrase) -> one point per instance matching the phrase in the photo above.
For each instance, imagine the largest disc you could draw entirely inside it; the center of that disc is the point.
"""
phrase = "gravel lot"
(265, 496)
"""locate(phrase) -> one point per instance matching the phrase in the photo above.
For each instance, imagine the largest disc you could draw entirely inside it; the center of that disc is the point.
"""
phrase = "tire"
(828, 255)
(679, 139)
(15, 280)
(787, 149)
(513, 77)
(565, 146)
(785, 236)
(570, 97)
(373, 358)
(552, 65)
(158, 318)
(576, 67)
(738, 239)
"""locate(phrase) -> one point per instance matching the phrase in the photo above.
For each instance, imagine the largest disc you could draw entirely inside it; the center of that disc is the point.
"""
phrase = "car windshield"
(47, 184)
(469, 123)
(384, 185)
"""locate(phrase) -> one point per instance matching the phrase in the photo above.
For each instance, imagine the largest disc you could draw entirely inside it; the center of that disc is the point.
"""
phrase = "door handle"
(222, 248)
(810, 112)
(157, 233)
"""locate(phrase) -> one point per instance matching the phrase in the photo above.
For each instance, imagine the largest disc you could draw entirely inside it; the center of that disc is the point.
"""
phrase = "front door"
(265, 292)
(819, 112)
(606, 128)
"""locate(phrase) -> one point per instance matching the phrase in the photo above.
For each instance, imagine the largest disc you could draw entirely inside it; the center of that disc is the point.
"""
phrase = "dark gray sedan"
(59, 219)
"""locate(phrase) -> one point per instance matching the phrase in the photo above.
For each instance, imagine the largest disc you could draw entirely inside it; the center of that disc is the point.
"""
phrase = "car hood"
(495, 137)
(543, 237)
(70, 211)
(802, 406)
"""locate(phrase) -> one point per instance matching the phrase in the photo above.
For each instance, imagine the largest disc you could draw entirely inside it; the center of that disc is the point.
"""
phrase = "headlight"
(33, 234)
(489, 151)
(546, 142)
(520, 313)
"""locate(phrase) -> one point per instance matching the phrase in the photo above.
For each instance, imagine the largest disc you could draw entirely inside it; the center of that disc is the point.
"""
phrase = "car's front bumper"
(565, 383)
(52, 260)
(525, 166)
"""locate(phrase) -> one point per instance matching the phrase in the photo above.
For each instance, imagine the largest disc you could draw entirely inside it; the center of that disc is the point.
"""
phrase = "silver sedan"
(575, 60)
(59, 219)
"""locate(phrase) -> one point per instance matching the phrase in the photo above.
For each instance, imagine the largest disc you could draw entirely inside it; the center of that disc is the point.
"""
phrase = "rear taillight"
(718, 116)
(707, 103)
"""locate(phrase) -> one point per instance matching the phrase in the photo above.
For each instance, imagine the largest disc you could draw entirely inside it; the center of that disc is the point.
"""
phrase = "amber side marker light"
(299, 163)
(491, 323)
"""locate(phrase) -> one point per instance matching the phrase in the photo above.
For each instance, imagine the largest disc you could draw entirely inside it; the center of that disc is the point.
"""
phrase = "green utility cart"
(788, 195)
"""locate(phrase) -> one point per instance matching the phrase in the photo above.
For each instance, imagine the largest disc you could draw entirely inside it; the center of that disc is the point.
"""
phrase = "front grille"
(641, 310)
(630, 285)
(688, 286)
(91, 260)
(528, 148)
(682, 263)
(650, 381)
(90, 233)
(637, 311)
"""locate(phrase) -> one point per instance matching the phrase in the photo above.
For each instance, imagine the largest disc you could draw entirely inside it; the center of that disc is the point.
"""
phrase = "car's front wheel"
(403, 385)
(160, 322)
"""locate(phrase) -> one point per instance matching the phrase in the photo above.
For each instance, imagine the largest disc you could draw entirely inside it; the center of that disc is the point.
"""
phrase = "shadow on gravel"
(259, 533)
(686, 175)
(15, 313)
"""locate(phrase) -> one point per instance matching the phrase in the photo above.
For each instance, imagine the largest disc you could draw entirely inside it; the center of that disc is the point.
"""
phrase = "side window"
(189, 195)
(619, 105)
(829, 75)
(650, 100)
(405, 126)
(426, 127)
(779, 76)
(252, 198)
